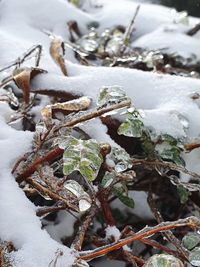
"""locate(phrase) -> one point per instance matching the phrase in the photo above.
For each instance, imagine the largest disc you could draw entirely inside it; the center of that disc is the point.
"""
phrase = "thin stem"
(191, 222)
(78, 240)
(156, 163)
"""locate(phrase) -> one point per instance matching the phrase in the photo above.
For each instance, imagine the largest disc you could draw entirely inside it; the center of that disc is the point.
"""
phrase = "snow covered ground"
(165, 100)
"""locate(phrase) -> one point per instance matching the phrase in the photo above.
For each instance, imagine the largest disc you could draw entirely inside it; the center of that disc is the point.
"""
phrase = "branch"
(53, 195)
(164, 164)
(194, 30)
(191, 222)
(78, 240)
(103, 198)
(168, 234)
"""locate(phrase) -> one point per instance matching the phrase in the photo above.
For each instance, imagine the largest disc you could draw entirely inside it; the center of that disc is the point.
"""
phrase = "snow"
(112, 231)
(163, 100)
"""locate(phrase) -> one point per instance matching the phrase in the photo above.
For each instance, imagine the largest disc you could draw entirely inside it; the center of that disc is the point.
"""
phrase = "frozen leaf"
(81, 103)
(84, 205)
(131, 128)
(22, 78)
(89, 43)
(119, 192)
(57, 50)
(191, 240)
(107, 179)
(113, 46)
(83, 156)
(194, 257)
(173, 154)
(111, 94)
(163, 260)
(74, 187)
(77, 190)
(121, 159)
(183, 194)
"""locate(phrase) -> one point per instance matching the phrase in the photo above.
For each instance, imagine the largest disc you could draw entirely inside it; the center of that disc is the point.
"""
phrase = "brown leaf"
(22, 78)
(81, 103)
(57, 51)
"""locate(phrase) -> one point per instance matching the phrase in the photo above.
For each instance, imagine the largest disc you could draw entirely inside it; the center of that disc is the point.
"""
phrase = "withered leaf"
(22, 78)
(57, 50)
(81, 103)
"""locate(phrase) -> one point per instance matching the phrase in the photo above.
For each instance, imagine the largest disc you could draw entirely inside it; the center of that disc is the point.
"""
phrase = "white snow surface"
(163, 99)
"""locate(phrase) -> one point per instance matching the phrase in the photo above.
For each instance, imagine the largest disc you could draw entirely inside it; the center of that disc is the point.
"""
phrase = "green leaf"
(111, 94)
(131, 128)
(183, 193)
(83, 156)
(169, 139)
(107, 179)
(118, 192)
(120, 158)
(191, 240)
(173, 154)
(194, 257)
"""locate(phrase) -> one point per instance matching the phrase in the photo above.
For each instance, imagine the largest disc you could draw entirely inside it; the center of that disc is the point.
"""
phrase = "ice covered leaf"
(173, 154)
(84, 204)
(183, 193)
(163, 260)
(119, 192)
(194, 257)
(111, 94)
(169, 139)
(83, 156)
(131, 128)
(191, 240)
(107, 179)
(77, 190)
(74, 187)
(120, 158)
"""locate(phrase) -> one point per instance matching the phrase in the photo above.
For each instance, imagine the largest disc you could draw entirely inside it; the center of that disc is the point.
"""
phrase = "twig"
(97, 113)
(168, 234)
(78, 240)
(41, 212)
(156, 163)
(189, 147)
(128, 32)
(19, 61)
(103, 198)
(53, 154)
(194, 30)
(45, 191)
(191, 222)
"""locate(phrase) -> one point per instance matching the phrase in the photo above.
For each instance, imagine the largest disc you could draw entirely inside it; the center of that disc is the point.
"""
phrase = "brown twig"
(69, 203)
(194, 30)
(191, 222)
(189, 147)
(171, 166)
(103, 198)
(128, 32)
(53, 154)
(40, 212)
(78, 240)
(168, 234)
(20, 60)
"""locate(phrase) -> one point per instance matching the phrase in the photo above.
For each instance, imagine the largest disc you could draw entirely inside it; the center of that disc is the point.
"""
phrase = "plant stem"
(191, 222)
